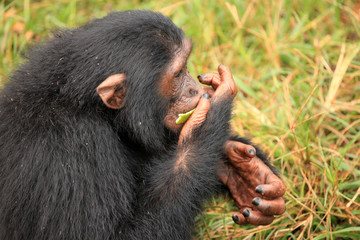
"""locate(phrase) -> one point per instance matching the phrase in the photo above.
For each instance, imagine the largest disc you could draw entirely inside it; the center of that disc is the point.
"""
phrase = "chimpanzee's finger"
(200, 112)
(211, 79)
(270, 207)
(238, 151)
(197, 118)
(273, 189)
(239, 219)
(257, 218)
(227, 85)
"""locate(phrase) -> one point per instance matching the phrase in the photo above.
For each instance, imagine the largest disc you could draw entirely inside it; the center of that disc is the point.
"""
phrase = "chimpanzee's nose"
(193, 92)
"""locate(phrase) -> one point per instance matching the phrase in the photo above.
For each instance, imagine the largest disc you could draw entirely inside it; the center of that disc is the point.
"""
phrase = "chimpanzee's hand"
(222, 83)
(222, 87)
(256, 189)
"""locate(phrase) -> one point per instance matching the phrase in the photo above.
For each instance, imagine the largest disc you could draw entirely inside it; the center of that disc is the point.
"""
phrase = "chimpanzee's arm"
(177, 184)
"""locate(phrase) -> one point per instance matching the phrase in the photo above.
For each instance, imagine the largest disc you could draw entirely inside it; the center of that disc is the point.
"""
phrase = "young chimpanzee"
(90, 148)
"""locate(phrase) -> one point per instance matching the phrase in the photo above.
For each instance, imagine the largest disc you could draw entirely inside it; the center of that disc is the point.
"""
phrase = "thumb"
(197, 118)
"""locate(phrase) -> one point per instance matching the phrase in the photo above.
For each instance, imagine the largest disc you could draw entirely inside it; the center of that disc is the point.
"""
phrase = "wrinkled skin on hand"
(256, 190)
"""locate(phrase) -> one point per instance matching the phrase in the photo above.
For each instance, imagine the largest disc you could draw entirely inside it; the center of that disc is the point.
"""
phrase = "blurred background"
(297, 66)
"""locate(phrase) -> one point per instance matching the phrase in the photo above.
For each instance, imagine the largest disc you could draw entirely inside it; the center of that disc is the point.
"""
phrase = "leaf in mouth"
(183, 117)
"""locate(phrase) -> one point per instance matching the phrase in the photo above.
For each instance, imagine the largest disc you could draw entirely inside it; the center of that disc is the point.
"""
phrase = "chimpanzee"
(90, 148)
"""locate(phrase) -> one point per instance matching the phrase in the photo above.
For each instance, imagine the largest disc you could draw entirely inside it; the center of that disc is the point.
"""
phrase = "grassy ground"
(297, 66)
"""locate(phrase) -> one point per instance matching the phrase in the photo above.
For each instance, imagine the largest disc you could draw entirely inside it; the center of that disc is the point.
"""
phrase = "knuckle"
(235, 91)
(281, 189)
(223, 68)
(198, 119)
(282, 210)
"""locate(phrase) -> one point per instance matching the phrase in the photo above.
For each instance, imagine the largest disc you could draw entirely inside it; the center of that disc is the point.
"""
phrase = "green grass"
(297, 66)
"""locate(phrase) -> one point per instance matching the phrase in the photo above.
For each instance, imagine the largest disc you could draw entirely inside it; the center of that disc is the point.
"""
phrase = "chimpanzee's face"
(182, 90)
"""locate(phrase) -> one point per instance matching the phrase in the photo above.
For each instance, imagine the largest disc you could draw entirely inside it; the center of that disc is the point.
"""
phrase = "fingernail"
(259, 189)
(201, 75)
(246, 213)
(235, 218)
(252, 152)
(206, 96)
(256, 201)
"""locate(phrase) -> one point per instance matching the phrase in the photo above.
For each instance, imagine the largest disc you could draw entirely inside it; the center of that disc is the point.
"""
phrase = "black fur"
(70, 168)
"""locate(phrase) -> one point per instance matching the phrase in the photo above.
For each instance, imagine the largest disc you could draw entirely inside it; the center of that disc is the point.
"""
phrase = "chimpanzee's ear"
(112, 91)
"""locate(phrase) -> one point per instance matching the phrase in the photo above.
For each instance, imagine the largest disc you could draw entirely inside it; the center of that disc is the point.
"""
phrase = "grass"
(297, 66)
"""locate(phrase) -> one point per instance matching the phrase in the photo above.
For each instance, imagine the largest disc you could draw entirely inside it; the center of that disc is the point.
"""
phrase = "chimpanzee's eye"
(179, 74)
